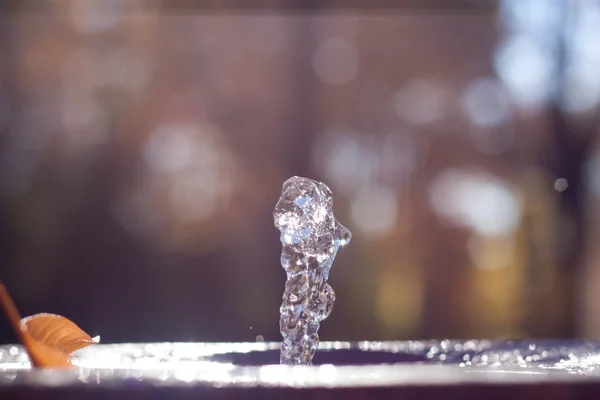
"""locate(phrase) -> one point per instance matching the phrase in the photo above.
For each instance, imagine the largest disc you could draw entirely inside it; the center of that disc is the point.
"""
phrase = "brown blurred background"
(143, 147)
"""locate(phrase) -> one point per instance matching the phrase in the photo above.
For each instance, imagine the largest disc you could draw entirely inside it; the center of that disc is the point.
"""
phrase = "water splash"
(311, 237)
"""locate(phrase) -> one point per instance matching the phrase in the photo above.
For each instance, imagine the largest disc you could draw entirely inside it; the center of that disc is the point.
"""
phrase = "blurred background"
(143, 145)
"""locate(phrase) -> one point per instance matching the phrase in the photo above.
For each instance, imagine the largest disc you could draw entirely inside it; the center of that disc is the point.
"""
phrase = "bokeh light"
(485, 103)
(477, 200)
(374, 210)
(419, 102)
(335, 61)
(189, 176)
(526, 69)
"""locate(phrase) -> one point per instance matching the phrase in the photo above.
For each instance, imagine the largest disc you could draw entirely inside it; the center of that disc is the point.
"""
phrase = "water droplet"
(561, 184)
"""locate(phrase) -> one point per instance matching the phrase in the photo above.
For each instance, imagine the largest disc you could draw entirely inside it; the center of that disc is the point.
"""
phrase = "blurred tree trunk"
(571, 148)
(7, 100)
(302, 108)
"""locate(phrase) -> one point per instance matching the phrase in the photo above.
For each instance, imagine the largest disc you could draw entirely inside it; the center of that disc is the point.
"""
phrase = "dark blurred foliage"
(143, 147)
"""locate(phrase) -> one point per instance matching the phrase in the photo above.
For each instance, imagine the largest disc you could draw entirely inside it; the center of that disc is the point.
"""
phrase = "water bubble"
(323, 303)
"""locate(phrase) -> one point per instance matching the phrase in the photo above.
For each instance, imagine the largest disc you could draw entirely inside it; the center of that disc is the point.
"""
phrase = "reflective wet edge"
(336, 364)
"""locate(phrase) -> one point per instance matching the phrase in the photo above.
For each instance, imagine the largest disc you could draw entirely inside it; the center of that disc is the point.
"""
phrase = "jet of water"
(311, 237)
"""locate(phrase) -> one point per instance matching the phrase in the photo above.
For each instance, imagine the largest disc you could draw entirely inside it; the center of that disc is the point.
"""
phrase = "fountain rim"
(219, 374)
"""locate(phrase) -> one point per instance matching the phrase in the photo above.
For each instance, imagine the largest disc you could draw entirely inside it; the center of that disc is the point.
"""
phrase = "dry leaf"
(44, 356)
(48, 338)
(57, 332)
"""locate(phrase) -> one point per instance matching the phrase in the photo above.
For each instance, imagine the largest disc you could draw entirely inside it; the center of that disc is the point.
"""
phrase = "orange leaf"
(56, 332)
(44, 356)
(48, 338)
